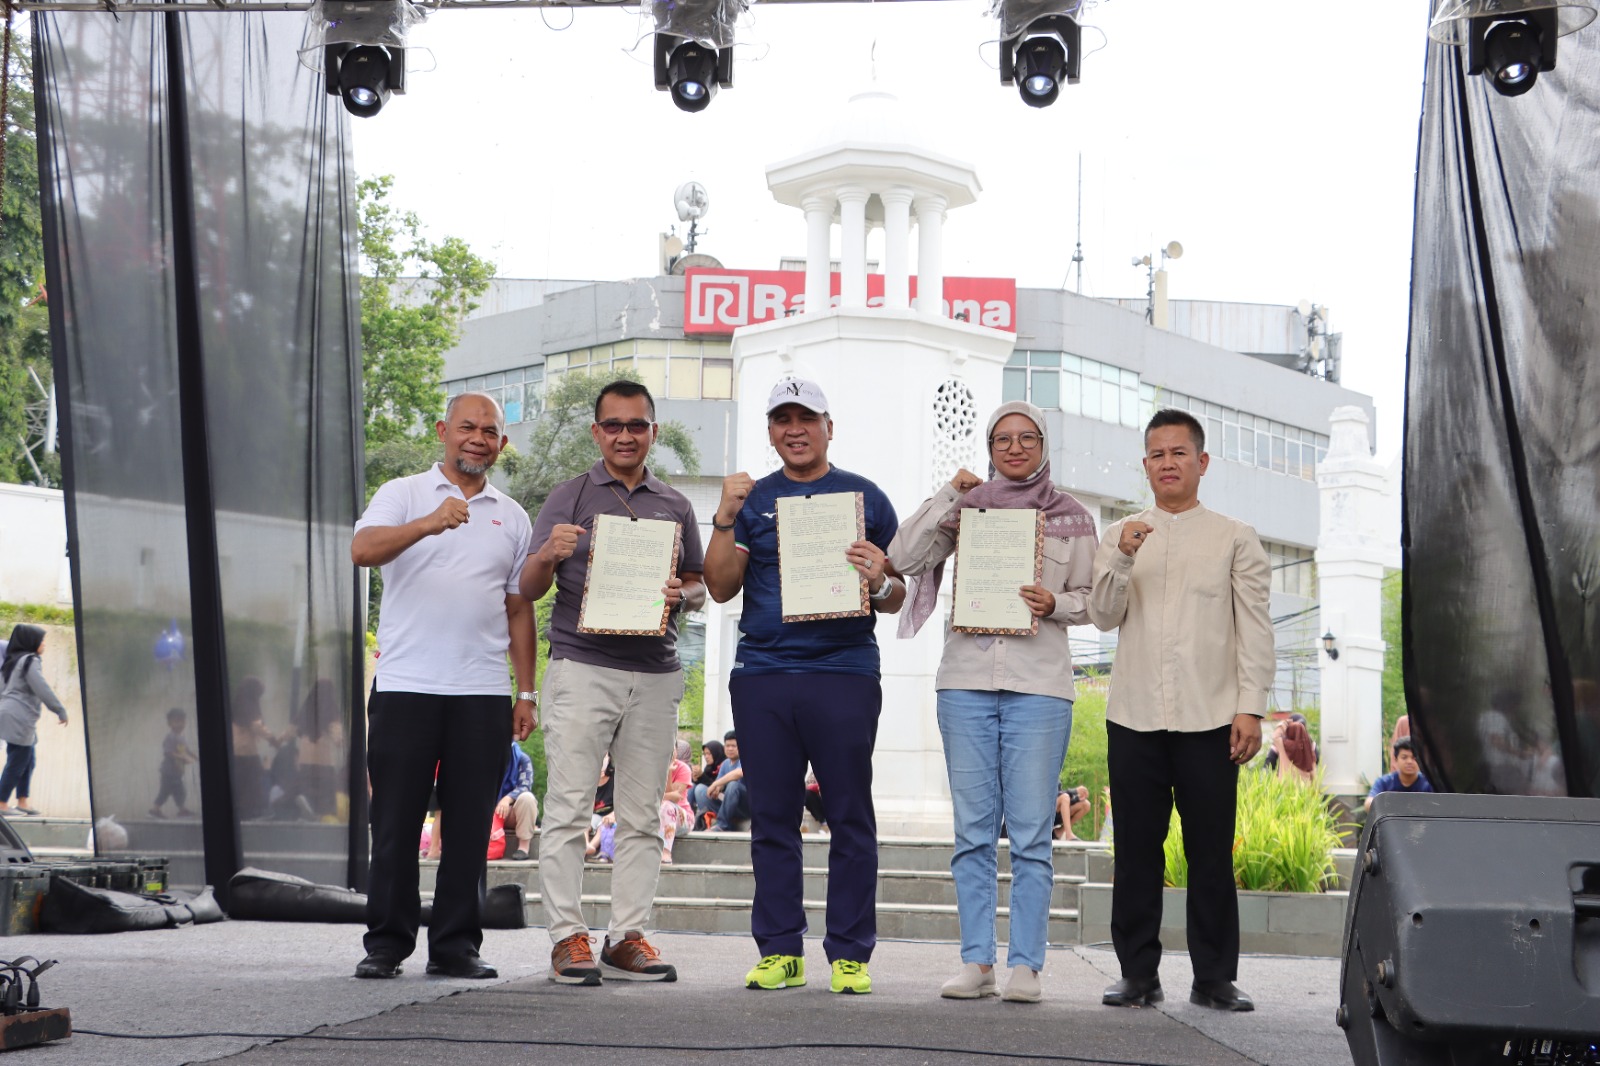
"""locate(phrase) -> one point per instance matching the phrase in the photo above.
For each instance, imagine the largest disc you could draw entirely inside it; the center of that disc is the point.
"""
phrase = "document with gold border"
(998, 550)
(816, 581)
(630, 560)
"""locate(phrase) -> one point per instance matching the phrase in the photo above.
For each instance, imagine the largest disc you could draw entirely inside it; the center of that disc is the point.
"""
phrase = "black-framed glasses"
(1002, 441)
(612, 426)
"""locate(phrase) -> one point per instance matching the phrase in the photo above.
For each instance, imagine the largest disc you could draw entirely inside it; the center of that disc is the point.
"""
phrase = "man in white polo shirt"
(451, 547)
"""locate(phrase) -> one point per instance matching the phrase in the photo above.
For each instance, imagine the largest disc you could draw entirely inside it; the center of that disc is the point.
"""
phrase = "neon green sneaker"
(777, 971)
(850, 977)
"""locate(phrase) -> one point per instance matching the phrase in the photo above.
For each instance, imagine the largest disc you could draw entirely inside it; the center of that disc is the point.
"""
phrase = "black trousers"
(469, 739)
(1149, 771)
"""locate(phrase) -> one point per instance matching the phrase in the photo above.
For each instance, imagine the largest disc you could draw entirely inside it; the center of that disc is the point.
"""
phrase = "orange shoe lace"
(575, 950)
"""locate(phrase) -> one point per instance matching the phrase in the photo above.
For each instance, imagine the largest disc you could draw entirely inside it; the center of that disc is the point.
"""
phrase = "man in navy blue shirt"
(830, 720)
(1406, 776)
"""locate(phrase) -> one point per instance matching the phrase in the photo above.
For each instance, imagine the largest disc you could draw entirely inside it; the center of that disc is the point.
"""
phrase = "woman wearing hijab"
(22, 691)
(1004, 702)
(711, 755)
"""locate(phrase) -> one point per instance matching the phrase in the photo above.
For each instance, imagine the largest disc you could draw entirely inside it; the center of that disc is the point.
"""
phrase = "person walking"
(23, 695)
(1004, 702)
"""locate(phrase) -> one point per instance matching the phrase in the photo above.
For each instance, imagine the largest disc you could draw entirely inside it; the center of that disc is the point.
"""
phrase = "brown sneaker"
(635, 960)
(572, 961)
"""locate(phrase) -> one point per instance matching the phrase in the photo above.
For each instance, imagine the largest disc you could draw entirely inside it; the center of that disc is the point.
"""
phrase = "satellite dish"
(696, 261)
(1305, 308)
(692, 201)
(1174, 250)
(673, 247)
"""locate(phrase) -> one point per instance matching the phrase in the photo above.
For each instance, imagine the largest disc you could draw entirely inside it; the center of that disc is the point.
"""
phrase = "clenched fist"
(450, 514)
(965, 481)
(1133, 536)
(563, 541)
(735, 490)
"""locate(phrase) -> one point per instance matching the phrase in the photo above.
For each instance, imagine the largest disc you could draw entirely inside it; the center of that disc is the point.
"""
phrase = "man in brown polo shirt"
(1187, 589)
(608, 694)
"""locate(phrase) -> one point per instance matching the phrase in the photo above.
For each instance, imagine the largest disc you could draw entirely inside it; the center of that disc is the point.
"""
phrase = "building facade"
(1096, 367)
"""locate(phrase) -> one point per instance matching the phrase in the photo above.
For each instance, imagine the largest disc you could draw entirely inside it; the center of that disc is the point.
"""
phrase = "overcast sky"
(1276, 139)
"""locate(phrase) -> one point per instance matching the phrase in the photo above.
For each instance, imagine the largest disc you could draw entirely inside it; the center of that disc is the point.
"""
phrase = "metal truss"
(117, 7)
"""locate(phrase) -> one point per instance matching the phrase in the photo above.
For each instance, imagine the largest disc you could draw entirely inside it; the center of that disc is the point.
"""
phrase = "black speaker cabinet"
(1473, 933)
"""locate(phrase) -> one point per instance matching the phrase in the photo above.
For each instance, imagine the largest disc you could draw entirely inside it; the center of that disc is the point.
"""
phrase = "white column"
(1352, 556)
(853, 246)
(819, 258)
(897, 247)
(930, 254)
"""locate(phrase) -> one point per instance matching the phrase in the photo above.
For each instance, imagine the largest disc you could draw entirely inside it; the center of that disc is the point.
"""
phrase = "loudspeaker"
(1473, 932)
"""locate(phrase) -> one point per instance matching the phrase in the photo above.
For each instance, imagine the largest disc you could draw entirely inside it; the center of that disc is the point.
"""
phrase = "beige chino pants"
(589, 711)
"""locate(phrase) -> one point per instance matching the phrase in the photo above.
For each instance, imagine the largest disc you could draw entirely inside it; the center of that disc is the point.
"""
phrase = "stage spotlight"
(1512, 41)
(363, 50)
(691, 70)
(1040, 66)
(366, 76)
(1042, 58)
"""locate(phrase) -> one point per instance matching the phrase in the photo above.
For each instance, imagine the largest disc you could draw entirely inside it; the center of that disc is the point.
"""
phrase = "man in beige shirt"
(1187, 589)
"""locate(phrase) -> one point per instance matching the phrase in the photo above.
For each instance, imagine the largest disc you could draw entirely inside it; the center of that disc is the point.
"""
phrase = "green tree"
(25, 371)
(1394, 681)
(406, 327)
(561, 448)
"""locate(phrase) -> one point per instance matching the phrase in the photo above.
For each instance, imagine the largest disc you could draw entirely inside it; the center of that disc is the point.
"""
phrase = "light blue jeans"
(1003, 751)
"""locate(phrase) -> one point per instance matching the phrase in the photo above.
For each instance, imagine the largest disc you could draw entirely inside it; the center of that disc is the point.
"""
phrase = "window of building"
(1237, 437)
(1294, 569)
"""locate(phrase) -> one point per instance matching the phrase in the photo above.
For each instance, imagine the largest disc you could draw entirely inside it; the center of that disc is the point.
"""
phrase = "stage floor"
(251, 991)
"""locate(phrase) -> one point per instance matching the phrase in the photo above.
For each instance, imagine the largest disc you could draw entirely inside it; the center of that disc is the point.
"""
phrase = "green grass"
(1086, 753)
(39, 614)
(1283, 841)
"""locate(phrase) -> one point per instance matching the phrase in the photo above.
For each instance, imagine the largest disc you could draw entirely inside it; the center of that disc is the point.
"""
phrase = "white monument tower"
(1352, 555)
(910, 390)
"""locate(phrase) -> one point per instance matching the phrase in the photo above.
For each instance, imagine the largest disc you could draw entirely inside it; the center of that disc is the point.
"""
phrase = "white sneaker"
(970, 983)
(1023, 986)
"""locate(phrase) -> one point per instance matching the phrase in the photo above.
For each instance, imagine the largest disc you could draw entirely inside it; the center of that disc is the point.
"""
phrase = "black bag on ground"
(265, 896)
(73, 908)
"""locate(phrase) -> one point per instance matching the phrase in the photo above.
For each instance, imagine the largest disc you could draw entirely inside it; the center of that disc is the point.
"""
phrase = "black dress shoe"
(1133, 992)
(1220, 995)
(379, 965)
(470, 967)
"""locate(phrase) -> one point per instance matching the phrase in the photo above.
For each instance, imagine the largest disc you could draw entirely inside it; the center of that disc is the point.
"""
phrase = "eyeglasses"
(1002, 441)
(613, 426)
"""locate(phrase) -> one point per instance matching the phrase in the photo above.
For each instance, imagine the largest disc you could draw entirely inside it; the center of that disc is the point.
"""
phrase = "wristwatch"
(531, 697)
(885, 590)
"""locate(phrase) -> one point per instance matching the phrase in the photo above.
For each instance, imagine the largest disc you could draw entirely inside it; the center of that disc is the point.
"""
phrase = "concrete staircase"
(710, 885)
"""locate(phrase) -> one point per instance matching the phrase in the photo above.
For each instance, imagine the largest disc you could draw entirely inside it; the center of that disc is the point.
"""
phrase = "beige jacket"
(1041, 664)
(1195, 644)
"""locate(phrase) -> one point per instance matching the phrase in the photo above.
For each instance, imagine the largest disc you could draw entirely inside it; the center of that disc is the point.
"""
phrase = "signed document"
(630, 561)
(997, 552)
(816, 580)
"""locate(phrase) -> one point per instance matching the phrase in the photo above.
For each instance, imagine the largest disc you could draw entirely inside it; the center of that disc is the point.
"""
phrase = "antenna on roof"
(1077, 254)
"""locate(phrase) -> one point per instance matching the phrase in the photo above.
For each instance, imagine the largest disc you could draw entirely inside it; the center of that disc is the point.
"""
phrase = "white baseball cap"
(797, 390)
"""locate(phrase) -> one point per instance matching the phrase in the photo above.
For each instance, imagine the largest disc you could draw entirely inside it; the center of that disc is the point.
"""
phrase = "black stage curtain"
(201, 261)
(1502, 453)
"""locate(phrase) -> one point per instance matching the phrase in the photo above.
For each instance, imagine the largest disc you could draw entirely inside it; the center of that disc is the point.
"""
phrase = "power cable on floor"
(1035, 1056)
